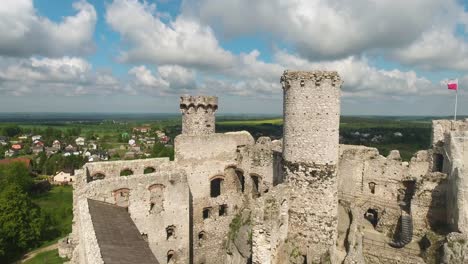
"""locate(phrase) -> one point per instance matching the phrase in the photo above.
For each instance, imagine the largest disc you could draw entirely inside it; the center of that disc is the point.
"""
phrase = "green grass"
(47, 257)
(58, 203)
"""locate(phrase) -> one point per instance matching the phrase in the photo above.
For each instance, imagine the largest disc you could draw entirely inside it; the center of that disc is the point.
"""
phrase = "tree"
(41, 160)
(11, 131)
(21, 223)
(15, 173)
(159, 151)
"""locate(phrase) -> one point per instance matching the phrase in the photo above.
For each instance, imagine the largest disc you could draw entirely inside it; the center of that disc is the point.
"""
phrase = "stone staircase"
(406, 232)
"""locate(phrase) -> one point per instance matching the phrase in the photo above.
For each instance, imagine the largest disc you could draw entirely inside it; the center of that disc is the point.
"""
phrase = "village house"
(10, 153)
(16, 147)
(160, 133)
(36, 137)
(23, 137)
(50, 151)
(56, 144)
(38, 147)
(3, 141)
(149, 140)
(63, 178)
(70, 148)
(25, 161)
(164, 139)
(92, 146)
(143, 129)
(80, 141)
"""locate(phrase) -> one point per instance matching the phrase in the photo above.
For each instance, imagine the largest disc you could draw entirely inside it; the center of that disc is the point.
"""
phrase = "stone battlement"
(187, 101)
(316, 76)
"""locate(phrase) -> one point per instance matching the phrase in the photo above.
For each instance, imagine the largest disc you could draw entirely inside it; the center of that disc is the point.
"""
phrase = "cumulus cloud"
(438, 48)
(26, 33)
(183, 41)
(323, 29)
(64, 76)
(363, 80)
(168, 79)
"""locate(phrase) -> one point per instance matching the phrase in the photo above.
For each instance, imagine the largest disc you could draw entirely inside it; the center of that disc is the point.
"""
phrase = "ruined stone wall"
(112, 169)
(198, 114)
(88, 251)
(155, 201)
(206, 159)
(270, 223)
(457, 200)
(257, 160)
(428, 207)
(372, 183)
(442, 127)
(310, 154)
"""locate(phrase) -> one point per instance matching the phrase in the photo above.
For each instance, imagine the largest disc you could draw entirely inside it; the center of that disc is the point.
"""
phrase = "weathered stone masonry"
(227, 198)
(310, 153)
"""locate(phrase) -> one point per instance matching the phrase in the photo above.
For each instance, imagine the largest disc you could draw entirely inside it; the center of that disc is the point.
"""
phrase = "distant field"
(276, 121)
(346, 122)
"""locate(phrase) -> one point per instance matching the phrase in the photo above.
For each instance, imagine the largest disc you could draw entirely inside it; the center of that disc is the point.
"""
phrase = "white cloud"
(324, 29)
(26, 33)
(363, 80)
(64, 76)
(168, 79)
(438, 48)
(182, 41)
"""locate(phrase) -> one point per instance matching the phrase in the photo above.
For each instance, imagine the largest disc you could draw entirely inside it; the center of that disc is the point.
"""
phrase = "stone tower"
(198, 114)
(310, 156)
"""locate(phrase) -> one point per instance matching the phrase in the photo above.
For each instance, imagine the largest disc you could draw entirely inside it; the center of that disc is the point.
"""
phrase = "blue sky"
(139, 56)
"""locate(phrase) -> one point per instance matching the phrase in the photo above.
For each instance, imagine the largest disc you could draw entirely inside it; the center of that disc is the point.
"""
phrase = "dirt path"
(32, 254)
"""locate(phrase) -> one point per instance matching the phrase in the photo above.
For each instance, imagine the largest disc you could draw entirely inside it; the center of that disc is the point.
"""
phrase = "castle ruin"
(227, 198)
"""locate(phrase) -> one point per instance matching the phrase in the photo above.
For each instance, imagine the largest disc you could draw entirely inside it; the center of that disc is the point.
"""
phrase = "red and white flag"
(452, 84)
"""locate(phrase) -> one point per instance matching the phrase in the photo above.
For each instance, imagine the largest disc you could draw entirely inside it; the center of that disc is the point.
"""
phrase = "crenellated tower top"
(198, 114)
(187, 101)
(316, 77)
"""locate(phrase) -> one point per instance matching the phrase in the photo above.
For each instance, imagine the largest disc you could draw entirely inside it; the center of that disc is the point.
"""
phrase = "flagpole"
(456, 103)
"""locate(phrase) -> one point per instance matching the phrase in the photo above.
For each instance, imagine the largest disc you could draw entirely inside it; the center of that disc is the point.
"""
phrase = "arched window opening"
(372, 215)
(206, 212)
(216, 186)
(126, 172)
(170, 257)
(121, 197)
(144, 236)
(438, 162)
(241, 179)
(223, 210)
(149, 170)
(372, 187)
(255, 185)
(170, 232)
(97, 176)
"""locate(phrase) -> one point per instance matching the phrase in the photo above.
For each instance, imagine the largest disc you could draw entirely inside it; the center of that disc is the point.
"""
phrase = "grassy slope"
(58, 202)
(48, 257)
